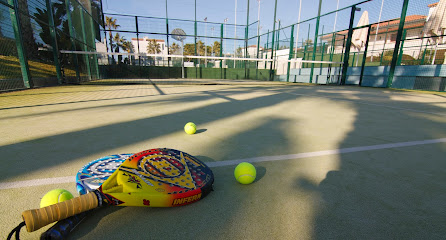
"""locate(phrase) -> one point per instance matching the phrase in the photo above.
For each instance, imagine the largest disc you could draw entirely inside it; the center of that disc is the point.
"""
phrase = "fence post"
(271, 77)
(266, 54)
(364, 58)
(85, 46)
(348, 46)
(137, 43)
(221, 51)
(15, 19)
(167, 42)
(400, 55)
(54, 40)
(397, 44)
(72, 36)
(257, 62)
(246, 42)
(290, 56)
(93, 45)
(316, 35)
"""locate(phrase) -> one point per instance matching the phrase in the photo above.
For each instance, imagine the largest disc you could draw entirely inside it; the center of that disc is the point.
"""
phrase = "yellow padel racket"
(153, 178)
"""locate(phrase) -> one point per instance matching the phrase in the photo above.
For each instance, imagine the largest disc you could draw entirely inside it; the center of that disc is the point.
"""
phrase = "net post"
(364, 58)
(348, 45)
(15, 19)
(397, 43)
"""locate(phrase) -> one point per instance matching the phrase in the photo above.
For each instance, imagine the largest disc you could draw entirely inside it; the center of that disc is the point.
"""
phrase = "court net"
(141, 67)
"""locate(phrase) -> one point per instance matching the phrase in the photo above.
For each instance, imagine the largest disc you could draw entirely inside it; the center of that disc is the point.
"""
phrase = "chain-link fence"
(377, 43)
(32, 34)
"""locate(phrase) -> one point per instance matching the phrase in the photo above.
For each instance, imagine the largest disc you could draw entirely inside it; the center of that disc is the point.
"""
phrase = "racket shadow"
(92, 221)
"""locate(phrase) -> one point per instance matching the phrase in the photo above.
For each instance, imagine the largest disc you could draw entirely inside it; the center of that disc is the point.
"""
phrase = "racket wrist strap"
(100, 198)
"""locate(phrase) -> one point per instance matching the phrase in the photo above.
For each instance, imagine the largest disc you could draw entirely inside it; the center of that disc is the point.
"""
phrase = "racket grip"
(37, 218)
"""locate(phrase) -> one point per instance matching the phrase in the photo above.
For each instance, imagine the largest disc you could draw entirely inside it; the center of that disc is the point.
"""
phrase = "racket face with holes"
(96, 172)
(159, 177)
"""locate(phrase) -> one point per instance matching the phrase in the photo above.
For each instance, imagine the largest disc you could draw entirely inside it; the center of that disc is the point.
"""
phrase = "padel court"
(333, 162)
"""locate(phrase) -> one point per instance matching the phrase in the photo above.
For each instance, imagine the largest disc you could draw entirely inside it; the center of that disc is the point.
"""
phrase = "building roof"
(412, 21)
(432, 5)
(147, 39)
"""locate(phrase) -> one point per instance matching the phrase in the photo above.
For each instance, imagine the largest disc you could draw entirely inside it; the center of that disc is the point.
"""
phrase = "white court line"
(325, 153)
(48, 181)
(37, 182)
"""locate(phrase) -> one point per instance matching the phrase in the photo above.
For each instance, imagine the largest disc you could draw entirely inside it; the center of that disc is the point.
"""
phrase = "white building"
(140, 46)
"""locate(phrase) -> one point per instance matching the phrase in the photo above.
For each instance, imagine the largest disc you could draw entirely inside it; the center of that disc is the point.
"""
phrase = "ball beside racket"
(89, 178)
(160, 177)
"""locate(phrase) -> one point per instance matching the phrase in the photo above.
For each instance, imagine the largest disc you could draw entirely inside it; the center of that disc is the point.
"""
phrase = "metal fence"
(381, 43)
(32, 34)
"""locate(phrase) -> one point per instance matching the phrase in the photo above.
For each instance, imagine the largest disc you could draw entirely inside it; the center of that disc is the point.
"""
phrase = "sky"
(287, 12)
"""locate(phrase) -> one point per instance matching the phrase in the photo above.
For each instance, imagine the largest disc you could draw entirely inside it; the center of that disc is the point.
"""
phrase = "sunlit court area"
(339, 106)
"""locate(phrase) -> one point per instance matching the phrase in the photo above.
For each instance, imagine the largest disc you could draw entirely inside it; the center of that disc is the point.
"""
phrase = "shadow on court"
(396, 193)
(51, 151)
(391, 193)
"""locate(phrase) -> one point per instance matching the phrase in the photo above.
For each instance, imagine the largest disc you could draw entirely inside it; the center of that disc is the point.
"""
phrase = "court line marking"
(37, 182)
(326, 152)
(71, 179)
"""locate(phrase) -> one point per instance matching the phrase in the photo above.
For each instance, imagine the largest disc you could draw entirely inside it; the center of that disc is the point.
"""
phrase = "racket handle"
(37, 218)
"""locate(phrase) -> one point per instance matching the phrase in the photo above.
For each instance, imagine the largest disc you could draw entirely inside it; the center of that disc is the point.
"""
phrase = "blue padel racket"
(160, 177)
(89, 178)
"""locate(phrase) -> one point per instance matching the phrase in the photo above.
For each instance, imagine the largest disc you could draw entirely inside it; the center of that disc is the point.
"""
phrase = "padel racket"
(89, 178)
(92, 175)
(152, 178)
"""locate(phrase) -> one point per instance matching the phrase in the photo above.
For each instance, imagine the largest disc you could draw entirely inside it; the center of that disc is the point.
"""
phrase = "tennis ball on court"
(245, 173)
(191, 123)
(190, 128)
(55, 196)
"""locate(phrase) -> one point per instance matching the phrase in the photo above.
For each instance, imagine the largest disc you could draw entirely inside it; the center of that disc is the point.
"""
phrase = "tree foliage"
(111, 24)
(174, 49)
(153, 47)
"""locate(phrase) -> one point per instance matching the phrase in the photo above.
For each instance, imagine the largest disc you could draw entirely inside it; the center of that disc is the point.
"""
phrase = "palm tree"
(128, 47)
(153, 47)
(110, 24)
(119, 43)
(216, 48)
(174, 49)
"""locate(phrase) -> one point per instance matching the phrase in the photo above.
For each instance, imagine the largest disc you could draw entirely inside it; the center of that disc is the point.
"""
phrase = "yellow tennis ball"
(55, 196)
(191, 123)
(190, 128)
(245, 173)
